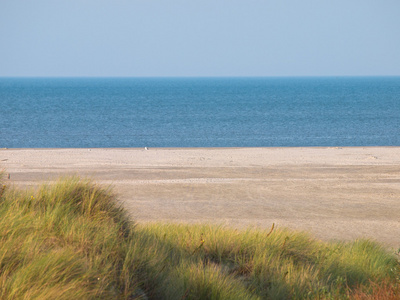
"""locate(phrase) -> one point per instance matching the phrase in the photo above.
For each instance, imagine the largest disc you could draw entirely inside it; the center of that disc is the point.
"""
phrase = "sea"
(199, 112)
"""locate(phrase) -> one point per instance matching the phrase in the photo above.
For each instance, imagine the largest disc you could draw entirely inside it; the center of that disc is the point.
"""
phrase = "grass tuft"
(65, 241)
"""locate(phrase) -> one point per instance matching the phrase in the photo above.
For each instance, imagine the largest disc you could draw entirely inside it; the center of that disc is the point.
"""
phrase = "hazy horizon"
(193, 77)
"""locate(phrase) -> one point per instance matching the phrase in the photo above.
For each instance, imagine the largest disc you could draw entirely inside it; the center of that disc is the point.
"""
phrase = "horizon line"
(200, 76)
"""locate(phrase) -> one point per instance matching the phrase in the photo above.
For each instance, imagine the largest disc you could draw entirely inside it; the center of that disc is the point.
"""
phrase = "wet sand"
(332, 193)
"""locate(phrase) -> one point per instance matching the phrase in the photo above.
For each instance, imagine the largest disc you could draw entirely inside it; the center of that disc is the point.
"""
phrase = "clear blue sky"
(199, 38)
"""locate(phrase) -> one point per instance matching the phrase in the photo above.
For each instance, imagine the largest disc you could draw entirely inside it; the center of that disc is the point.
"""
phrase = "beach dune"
(333, 193)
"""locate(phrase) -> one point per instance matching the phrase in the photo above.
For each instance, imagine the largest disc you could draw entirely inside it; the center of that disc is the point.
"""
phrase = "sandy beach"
(332, 193)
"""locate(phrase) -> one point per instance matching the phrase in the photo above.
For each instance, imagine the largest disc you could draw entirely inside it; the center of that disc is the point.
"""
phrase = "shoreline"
(198, 148)
(334, 193)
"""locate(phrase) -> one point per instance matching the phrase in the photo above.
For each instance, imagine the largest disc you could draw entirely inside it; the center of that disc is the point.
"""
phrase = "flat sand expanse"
(333, 193)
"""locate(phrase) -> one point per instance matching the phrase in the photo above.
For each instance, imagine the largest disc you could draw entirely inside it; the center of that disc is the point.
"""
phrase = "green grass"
(72, 240)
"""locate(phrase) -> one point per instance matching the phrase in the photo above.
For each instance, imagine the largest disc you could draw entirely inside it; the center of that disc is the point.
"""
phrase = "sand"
(332, 193)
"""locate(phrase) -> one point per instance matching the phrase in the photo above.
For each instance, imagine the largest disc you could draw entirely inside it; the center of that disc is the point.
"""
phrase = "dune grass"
(67, 241)
(209, 262)
(72, 240)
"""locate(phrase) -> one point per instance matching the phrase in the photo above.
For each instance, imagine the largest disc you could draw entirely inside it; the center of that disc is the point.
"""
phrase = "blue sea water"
(199, 112)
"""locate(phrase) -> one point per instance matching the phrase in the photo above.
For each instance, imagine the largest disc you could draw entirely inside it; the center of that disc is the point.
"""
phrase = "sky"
(171, 38)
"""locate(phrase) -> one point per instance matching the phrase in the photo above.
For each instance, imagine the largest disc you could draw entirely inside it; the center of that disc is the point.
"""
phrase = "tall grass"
(67, 241)
(209, 262)
(72, 240)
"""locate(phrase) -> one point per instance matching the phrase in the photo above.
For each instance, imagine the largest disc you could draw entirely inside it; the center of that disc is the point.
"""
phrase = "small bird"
(145, 148)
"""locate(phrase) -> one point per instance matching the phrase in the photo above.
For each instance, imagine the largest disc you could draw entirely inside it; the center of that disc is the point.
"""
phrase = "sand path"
(333, 193)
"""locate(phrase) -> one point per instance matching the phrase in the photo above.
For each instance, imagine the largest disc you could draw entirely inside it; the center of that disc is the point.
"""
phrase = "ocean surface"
(199, 112)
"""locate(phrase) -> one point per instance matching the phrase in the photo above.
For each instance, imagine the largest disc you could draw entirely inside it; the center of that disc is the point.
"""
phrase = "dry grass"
(67, 241)
(377, 291)
(261, 265)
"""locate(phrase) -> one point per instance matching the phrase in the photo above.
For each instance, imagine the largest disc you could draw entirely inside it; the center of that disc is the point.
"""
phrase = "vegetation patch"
(72, 240)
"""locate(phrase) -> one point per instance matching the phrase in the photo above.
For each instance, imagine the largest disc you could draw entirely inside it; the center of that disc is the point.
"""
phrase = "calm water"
(206, 112)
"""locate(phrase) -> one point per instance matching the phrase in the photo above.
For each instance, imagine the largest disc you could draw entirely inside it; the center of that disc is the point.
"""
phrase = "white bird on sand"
(145, 148)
